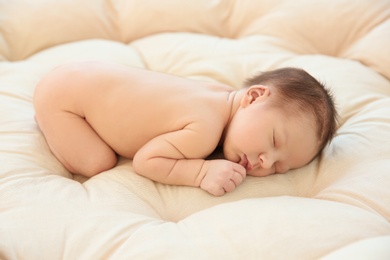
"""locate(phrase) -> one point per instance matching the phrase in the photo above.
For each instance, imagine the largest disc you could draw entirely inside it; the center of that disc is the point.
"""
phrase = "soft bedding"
(337, 207)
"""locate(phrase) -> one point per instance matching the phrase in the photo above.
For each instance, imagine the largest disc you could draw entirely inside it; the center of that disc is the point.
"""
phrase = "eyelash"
(273, 138)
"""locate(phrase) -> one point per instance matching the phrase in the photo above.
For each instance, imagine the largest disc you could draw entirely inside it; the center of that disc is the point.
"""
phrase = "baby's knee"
(98, 164)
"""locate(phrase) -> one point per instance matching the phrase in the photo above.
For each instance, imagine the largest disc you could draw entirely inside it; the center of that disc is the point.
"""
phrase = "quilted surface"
(338, 206)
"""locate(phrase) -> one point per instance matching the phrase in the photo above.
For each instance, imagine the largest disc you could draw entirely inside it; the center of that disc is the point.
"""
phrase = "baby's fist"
(222, 176)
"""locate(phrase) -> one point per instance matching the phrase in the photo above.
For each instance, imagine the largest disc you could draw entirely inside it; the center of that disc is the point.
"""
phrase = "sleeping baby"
(92, 112)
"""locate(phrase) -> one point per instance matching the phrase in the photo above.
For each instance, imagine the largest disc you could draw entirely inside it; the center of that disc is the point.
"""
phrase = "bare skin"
(91, 112)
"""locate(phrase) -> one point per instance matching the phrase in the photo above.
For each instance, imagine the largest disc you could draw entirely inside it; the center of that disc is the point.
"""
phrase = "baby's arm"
(173, 158)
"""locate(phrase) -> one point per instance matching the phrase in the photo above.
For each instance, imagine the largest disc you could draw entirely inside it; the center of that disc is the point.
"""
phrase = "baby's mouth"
(246, 164)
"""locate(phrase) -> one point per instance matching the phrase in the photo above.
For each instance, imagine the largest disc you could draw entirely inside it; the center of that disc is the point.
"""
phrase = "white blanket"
(337, 207)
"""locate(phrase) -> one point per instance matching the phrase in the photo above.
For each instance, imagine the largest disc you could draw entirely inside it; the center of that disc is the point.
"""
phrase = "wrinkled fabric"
(336, 207)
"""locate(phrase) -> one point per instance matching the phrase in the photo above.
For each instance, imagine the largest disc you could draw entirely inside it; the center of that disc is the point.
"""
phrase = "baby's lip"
(246, 163)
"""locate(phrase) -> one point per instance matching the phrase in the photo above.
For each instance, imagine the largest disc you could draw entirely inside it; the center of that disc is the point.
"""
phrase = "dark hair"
(298, 91)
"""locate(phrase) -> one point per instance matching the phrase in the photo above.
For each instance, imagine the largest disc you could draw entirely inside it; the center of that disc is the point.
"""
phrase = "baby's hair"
(298, 91)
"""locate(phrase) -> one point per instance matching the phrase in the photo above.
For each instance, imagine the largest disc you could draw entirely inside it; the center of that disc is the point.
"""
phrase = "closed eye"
(273, 138)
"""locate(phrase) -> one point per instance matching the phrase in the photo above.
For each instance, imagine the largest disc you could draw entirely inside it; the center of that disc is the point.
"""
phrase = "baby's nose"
(266, 161)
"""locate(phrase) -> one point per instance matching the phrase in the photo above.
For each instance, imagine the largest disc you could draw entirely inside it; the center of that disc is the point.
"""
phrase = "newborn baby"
(91, 112)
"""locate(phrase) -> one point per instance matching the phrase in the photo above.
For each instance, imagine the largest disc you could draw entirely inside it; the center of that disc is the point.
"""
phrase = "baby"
(91, 112)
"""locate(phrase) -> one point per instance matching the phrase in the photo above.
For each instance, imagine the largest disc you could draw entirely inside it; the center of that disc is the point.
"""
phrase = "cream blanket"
(336, 207)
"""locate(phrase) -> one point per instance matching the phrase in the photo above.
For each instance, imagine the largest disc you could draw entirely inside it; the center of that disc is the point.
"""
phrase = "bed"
(337, 207)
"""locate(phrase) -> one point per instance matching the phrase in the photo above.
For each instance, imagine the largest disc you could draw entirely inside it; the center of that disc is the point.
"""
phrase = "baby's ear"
(255, 93)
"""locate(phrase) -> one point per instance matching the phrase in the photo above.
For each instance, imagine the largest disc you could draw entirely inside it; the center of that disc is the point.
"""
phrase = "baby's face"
(265, 140)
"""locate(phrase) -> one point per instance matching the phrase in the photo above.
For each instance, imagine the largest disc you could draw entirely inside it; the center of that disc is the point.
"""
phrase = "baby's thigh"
(75, 144)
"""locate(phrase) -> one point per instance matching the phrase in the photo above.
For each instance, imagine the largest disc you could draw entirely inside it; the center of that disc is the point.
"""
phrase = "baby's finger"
(216, 191)
(229, 186)
(239, 169)
(237, 178)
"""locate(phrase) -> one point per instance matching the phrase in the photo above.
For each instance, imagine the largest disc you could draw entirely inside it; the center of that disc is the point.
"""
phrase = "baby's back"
(126, 106)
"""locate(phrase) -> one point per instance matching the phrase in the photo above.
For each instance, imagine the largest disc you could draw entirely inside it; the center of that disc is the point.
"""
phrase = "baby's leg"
(75, 144)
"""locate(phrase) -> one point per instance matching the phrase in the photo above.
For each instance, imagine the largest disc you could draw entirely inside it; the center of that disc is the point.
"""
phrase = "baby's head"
(298, 93)
(286, 117)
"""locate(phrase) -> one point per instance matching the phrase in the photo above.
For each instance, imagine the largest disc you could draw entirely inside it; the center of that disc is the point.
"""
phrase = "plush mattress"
(337, 207)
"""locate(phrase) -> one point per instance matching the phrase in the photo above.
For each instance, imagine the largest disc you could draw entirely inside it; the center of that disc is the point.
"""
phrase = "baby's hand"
(222, 176)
